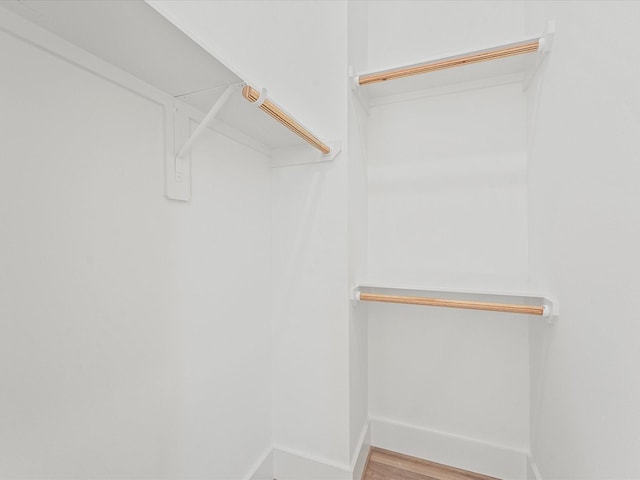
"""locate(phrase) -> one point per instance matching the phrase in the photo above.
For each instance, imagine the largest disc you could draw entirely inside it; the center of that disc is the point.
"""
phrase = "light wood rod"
(450, 63)
(440, 302)
(276, 112)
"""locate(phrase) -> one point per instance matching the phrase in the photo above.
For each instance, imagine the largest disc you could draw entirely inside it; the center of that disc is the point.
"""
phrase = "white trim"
(312, 458)
(459, 451)
(279, 459)
(263, 465)
(294, 465)
(533, 468)
(450, 449)
(361, 452)
(364, 433)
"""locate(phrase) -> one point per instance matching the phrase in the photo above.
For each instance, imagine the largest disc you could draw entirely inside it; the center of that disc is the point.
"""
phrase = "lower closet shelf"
(508, 302)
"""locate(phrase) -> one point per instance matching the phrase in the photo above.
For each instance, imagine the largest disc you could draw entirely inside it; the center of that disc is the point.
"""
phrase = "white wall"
(223, 256)
(406, 32)
(298, 51)
(311, 310)
(447, 190)
(358, 333)
(128, 350)
(584, 232)
(448, 208)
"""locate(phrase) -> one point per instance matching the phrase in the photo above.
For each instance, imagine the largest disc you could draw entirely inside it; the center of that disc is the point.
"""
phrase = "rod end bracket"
(355, 295)
(551, 312)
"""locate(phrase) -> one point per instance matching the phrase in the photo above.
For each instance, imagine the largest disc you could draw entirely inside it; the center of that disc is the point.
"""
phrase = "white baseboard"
(532, 469)
(294, 465)
(457, 451)
(285, 463)
(263, 469)
(361, 453)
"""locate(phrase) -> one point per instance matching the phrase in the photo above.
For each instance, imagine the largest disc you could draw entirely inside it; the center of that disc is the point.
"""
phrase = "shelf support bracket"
(178, 171)
(552, 309)
(202, 126)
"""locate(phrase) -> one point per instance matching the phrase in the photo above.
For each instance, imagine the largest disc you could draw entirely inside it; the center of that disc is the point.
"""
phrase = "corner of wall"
(294, 465)
(359, 460)
(264, 468)
(286, 464)
(532, 469)
(454, 450)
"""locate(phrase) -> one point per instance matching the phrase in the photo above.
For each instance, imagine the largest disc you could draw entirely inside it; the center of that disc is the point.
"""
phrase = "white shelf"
(506, 297)
(133, 37)
(510, 69)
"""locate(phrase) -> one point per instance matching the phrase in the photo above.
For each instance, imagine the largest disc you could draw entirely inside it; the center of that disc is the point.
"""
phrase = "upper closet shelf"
(513, 61)
(193, 82)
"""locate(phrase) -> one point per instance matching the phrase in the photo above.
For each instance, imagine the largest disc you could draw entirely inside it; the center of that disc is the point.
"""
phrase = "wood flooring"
(386, 465)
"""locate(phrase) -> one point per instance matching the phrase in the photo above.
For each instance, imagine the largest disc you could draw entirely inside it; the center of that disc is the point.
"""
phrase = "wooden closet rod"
(450, 63)
(440, 302)
(276, 112)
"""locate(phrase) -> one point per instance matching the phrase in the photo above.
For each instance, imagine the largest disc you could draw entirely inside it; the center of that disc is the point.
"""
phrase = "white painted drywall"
(128, 347)
(298, 51)
(405, 32)
(448, 208)
(223, 256)
(447, 190)
(584, 230)
(358, 323)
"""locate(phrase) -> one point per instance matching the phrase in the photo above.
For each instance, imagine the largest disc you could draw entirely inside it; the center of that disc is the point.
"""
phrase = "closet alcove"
(446, 276)
(173, 69)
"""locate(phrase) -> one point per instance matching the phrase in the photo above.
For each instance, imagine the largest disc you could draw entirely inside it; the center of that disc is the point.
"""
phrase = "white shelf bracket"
(551, 310)
(545, 43)
(355, 295)
(356, 91)
(178, 171)
(204, 124)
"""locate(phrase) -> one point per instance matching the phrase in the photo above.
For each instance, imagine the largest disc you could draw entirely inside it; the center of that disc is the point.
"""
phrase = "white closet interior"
(446, 148)
(188, 82)
(205, 279)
